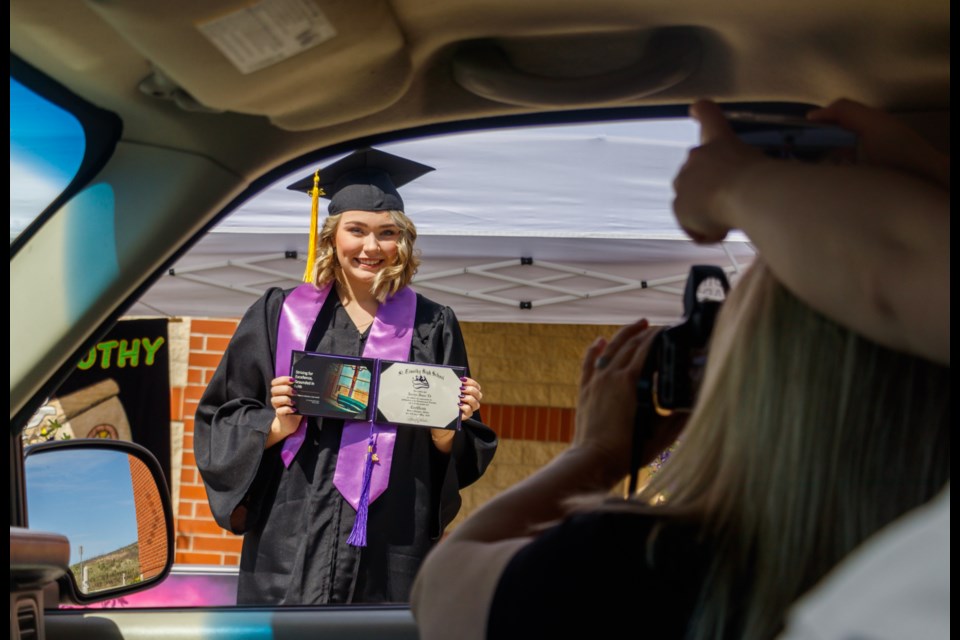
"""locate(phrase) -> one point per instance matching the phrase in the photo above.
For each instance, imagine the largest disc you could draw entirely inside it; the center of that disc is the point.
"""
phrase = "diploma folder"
(402, 393)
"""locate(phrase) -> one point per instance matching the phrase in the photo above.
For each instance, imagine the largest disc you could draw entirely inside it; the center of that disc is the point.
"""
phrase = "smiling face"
(366, 243)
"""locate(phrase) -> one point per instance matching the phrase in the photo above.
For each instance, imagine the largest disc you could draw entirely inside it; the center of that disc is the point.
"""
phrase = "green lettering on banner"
(106, 348)
(131, 355)
(88, 360)
(126, 353)
(152, 348)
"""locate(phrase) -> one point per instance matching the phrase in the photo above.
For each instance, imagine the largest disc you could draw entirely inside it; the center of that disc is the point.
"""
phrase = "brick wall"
(200, 540)
(151, 528)
(529, 375)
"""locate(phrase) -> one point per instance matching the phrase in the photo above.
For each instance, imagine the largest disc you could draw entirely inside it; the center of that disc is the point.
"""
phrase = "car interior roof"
(406, 63)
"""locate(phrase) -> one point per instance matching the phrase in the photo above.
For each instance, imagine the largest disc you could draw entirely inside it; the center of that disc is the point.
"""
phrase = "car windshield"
(539, 238)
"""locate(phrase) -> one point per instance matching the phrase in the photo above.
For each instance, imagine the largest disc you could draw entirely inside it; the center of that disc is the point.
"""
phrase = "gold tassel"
(315, 194)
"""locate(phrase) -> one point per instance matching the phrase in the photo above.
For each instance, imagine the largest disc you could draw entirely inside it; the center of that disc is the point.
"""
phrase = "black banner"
(120, 390)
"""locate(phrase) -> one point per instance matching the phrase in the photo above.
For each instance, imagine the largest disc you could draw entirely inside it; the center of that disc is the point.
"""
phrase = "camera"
(787, 137)
(674, 367)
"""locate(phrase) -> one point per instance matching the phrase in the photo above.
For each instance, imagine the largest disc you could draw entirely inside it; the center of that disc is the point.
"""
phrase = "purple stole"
(366, 446)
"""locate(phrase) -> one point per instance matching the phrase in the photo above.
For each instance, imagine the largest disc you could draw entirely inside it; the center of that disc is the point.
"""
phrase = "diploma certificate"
(420, 395)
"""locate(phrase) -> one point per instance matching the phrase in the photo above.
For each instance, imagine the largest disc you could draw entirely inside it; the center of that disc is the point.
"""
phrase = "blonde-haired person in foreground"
(869, 246)
(806, 439)
(764, 504)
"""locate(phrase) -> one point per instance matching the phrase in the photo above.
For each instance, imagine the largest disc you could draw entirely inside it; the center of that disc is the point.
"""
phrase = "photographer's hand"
(605, 420)
(867, 244)
(703, 182)
(886, 141)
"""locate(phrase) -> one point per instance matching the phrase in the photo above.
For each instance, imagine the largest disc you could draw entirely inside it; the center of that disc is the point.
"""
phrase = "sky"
(85, 494)
(46, 149)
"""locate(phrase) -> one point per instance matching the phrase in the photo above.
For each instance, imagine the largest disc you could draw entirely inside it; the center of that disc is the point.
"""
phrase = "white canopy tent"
(559, 224)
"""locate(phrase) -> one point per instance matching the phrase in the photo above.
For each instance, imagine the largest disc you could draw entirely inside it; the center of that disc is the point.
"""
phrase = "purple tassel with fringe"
(358, 537)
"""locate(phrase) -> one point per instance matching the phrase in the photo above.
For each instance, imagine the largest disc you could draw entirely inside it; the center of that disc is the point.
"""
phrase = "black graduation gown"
(295, 522)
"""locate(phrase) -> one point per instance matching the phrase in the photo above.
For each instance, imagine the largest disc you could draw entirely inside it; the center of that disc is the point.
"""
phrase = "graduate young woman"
(336, 511)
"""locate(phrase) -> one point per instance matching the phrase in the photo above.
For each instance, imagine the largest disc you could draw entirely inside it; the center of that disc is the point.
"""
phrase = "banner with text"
(119, 390)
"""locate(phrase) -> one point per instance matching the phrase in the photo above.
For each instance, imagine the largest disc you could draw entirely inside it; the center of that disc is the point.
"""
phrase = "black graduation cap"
(366, 180)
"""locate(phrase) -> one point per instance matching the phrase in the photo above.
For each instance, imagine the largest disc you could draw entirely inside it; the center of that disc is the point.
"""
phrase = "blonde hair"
(388, 281)
(806, 439)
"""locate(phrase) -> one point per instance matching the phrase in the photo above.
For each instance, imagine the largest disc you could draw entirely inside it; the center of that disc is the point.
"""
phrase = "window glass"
(46, 149)
(527, 234)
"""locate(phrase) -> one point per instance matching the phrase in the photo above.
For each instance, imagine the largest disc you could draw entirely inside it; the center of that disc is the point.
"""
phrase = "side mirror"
(109, 498)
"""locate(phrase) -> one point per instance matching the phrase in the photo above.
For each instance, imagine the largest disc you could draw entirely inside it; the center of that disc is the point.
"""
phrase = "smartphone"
(792, 137)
